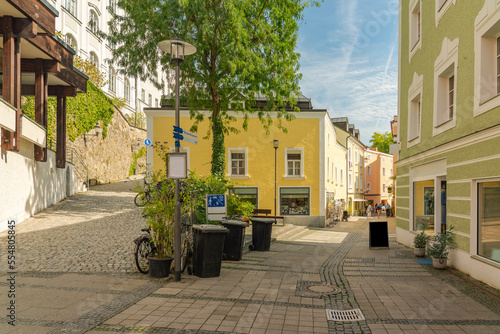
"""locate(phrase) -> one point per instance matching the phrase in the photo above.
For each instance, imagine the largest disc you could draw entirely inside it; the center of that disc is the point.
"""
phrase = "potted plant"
(159, 213)
(420, 241)
(440, 247)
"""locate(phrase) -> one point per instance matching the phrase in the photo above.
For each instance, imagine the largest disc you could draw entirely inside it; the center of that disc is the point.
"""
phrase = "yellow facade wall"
(302, 133)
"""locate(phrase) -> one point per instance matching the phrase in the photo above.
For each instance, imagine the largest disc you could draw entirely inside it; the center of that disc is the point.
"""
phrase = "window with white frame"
(126, 88)
(150, 99)
(143, 95)
(238, 161)
(349, 154)
(369, 170)
(486, 59)
(341, 177)
(93, 59)
(332, 171)
(391, 172)
(328, 167)
(488, 220)
(383, 171)
(350, 181)
(356, 156)
(112, 5)
(93, 22)
(112, 79)
(415, 26)
(414, 118)
(156, 102)
(294, 162)
(70, 6)
(383, 159)
(368, 186)
(336, 175)
(445, 86)
(383, 187)
(71, 41)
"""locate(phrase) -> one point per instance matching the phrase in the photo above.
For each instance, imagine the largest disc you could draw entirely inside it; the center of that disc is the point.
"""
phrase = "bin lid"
(234, 223)
(210, 228)
(262, 220)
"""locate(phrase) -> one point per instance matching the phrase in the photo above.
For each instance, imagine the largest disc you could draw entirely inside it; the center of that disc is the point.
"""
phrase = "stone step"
(291, 233)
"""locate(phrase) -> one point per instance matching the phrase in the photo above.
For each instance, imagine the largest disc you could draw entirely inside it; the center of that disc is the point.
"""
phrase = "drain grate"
(345, 315)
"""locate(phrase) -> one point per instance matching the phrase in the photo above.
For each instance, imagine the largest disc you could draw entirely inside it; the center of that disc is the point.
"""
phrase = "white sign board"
(177, 165)
(216, 207)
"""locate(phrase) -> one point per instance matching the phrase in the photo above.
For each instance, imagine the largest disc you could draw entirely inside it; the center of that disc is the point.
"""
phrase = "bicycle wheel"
(186, 256)
(142, 199)
(142, 252)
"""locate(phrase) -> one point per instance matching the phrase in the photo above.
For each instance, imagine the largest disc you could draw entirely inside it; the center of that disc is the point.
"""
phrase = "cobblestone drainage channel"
(345, 315)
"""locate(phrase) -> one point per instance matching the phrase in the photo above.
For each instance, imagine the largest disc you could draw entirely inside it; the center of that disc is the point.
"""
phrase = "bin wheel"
(190, 270)
(251, 247)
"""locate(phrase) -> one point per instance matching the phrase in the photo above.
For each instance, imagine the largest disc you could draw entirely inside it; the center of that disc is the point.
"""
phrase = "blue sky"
(349, 61)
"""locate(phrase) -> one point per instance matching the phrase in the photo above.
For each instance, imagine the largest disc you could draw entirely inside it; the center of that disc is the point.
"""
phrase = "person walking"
(387, 207)
(369, 211)
(379, 208)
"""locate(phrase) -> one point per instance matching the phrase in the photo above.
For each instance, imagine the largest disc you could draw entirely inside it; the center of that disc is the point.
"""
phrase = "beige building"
(379, 173)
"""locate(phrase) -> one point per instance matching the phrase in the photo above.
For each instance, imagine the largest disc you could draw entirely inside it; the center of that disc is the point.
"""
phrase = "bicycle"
(143, 250)
(143, 197)
(187, 245)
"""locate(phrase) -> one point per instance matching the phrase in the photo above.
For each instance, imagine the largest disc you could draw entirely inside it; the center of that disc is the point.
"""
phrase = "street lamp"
(177, 48)
(96, 134)
(276, 144)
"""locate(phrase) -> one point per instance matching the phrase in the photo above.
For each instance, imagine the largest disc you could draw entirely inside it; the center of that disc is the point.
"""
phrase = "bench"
(258, 213)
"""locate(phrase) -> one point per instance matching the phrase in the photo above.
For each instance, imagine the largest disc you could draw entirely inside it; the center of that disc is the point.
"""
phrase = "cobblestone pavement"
(88, 232)
(77, 275)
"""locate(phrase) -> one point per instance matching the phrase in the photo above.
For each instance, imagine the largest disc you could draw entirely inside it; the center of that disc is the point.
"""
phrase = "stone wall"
(108, 159)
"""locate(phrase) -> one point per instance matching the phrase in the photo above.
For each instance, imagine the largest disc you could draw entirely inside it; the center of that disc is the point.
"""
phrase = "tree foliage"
(381, 141)
(245, 50)
(137, 119)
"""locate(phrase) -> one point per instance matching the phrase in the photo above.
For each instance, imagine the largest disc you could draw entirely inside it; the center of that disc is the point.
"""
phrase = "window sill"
(488, 100)
(413, 139)
(486, 261)
(445, 122)
(238, 177)
(294, 178)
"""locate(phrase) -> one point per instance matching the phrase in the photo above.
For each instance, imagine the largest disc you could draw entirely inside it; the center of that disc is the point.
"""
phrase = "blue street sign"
(216, 201)
(147, 142)
(186, 133)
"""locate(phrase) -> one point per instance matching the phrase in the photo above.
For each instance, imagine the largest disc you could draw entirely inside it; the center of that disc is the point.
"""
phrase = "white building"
(79, 21)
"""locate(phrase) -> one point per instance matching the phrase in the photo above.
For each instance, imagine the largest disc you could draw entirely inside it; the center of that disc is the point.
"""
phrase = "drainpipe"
(347, 172)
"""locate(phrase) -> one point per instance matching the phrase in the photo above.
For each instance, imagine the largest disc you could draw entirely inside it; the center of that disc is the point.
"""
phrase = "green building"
(448, 172)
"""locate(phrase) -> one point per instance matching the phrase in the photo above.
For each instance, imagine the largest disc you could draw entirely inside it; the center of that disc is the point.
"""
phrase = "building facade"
(309, 162)
(379, 173)
(449, 132)
(79, 21)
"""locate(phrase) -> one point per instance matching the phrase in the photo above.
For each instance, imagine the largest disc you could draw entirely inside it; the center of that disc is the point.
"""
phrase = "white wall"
(28, 186)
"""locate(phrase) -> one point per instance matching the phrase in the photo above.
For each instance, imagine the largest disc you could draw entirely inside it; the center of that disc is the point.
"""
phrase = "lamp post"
(276, 144)
(177, 48)
(96, 134)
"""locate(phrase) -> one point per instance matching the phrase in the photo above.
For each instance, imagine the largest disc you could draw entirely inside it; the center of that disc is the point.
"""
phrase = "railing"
(81, 169)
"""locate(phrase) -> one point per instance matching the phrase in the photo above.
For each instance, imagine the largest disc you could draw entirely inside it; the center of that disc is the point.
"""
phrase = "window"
(294, 201)
(93, 59)
(445, 86)
(441, 8)
(414, 109)
(126, 88)
(369, 170)
(294, 162)
(336, 175)
(93, 22)
(368, 187)
(415, 27)
(341, 177)
(156, 102)
(150, 99)
(350, 181)
(383, 159)
(112, 5)
(383, 187)
(143, 95)
(71, 41)
(383, 171)
(70, 6)
(248, 194)
(349, 154)
(415, 118)
(328, 140)
(112, 79)
(423, 205)
(488, 219)
(328, 167)
(486, 59)
(368, 156)
(391, 172)
(356, 156)
(237, 161)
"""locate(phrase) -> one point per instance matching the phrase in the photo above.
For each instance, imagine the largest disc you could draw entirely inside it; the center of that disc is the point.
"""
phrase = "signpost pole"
(177, 223)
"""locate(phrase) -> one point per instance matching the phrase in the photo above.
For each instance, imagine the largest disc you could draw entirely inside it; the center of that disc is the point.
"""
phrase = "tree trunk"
(218, 148)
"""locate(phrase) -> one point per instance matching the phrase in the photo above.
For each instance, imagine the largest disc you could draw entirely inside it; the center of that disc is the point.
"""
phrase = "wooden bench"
(258, 213)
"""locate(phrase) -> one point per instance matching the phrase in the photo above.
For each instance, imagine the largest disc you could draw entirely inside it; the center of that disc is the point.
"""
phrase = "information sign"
(216, 207)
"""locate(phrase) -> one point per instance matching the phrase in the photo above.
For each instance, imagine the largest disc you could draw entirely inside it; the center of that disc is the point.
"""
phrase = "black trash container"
(208, 243)
(233, 243)
(261, 234)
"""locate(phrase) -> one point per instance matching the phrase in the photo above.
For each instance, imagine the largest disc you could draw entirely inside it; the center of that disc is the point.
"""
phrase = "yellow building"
(305, 160)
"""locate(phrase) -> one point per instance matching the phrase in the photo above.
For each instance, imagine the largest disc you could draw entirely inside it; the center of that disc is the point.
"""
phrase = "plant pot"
(159, 268)
(420, 252)
(439, 263)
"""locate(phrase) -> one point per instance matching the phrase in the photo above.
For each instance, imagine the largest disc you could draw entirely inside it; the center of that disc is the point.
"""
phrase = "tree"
(137, 119)
(245, 49)
(382, 141)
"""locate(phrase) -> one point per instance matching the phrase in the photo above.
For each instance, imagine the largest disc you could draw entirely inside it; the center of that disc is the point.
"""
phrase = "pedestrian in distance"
(387, 207)
(379, 208)
(369, 211)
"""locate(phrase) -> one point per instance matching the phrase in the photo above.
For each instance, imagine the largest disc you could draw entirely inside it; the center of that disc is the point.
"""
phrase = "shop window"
(295, 201)
(423, 205)
(248, 194)
(488, 218)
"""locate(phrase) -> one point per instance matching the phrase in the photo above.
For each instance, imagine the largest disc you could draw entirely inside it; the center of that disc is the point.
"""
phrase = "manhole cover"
(320, 289)
(345, 315)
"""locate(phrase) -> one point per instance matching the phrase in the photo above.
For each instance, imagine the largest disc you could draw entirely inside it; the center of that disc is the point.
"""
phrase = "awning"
(359, 200)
